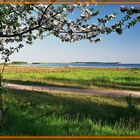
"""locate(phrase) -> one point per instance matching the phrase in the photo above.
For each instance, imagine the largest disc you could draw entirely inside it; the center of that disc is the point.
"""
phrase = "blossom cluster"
(26, 23)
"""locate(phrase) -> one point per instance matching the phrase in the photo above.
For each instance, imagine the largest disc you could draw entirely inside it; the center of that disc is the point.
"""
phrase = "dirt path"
(101, 92)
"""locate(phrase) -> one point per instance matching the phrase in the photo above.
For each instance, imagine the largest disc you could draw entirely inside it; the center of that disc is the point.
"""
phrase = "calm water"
(96, 65)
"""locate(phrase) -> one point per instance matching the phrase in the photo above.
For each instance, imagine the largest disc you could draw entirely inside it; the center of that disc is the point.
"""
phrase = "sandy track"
(100, 92)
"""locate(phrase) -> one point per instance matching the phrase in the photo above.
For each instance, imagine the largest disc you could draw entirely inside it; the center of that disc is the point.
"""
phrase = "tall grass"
(42, 113)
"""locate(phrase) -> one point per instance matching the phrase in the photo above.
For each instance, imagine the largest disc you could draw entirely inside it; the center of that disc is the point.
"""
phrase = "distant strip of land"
(24, 62)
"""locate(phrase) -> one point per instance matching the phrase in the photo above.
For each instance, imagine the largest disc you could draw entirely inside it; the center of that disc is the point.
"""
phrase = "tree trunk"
(1, 107)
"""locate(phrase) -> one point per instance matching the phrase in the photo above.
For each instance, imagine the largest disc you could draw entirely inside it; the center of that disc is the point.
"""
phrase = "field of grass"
(76, 77)
(42, 113)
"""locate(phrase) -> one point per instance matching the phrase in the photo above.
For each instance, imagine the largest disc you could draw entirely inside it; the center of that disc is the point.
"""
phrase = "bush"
(131, 106)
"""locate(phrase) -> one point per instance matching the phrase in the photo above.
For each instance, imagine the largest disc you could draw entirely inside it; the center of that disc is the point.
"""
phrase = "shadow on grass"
(39, 109)
(39, 83)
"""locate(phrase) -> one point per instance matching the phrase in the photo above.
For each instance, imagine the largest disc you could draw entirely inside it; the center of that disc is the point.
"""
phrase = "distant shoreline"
(68, 63)
(80, 65)
(23, 62)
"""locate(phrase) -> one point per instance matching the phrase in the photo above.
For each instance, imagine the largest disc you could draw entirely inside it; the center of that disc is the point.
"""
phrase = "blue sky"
(123, 48)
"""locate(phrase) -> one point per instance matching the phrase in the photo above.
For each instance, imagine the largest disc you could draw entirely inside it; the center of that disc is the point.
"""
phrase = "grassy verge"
(76, 77)
(42, 113)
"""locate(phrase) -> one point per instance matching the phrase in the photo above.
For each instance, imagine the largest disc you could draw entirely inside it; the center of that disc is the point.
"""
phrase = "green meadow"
(76, 77)
(59, 114)
(42, 113)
